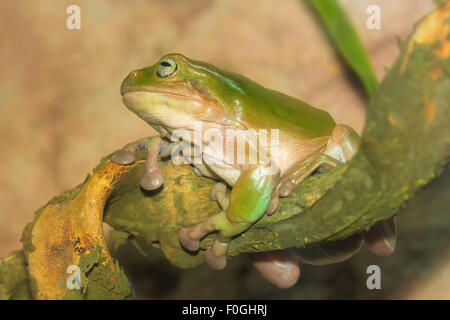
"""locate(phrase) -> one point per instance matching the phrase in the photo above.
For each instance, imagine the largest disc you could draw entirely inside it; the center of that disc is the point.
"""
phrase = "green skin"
(176, 91)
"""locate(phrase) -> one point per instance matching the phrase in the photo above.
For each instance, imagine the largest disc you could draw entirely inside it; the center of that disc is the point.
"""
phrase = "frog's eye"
(166, 68)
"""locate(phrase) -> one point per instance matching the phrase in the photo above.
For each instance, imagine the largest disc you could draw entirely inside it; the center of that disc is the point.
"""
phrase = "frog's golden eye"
(166, 68)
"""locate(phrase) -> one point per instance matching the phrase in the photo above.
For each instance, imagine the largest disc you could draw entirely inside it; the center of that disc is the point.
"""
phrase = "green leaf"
(347, 41)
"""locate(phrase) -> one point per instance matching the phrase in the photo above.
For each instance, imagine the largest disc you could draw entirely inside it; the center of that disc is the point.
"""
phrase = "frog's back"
(266, 108)
(293, 115)
(258, 107)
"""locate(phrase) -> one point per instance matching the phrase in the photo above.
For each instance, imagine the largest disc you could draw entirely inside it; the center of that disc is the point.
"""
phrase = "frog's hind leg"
(282, 267)
(341, 147)
(300, 171)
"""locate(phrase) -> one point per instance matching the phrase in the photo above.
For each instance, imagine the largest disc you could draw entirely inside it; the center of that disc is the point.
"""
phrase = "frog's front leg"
(152, 178)
(247, 203)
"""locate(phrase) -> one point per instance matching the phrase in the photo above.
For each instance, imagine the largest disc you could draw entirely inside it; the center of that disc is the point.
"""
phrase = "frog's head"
(176, 91)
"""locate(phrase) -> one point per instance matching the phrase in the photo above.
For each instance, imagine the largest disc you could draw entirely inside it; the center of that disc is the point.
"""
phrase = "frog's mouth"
(176, 91)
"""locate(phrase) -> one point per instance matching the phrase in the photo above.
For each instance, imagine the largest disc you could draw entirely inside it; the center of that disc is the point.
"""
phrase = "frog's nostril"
(134, 74)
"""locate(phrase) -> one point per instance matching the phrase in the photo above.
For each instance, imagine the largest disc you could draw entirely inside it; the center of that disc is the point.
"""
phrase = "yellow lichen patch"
(65, 231)
(434, 73)
(391, 119)
(435, 27)
(312, 198)
(430, 109)
(444, 50)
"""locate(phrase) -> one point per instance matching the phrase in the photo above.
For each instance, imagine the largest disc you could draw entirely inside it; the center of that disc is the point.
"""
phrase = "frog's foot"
(381, 238)
(280, 268)
(127, 154)
(123, 157)
(187, 241)
(215, 257)
(328, 253)
(153, 178)
(190, 237)
(219, 193)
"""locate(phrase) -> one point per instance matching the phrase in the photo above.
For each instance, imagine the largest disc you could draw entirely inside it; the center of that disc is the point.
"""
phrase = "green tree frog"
(180, 93)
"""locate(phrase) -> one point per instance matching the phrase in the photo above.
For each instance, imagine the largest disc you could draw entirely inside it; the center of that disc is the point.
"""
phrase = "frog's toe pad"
(186, 241)
(123, 157)
(169, 148)
(278, 267)
(215, 262)
(381, 238)
(286, 189)
(152, 180)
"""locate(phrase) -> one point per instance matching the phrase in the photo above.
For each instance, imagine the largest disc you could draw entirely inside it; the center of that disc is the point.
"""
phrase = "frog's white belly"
(221, 166)
(214, 166)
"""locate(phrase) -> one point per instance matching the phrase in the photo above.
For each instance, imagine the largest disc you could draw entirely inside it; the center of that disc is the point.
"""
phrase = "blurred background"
(61, 111)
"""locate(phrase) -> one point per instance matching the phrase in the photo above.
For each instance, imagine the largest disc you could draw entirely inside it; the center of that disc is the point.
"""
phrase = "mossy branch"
(405, 144)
